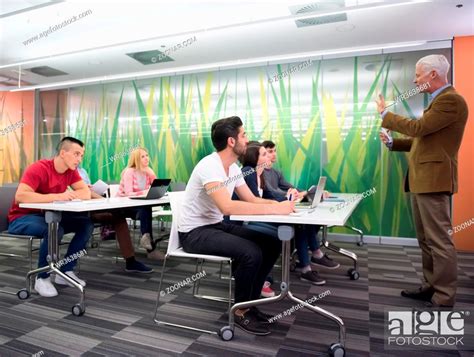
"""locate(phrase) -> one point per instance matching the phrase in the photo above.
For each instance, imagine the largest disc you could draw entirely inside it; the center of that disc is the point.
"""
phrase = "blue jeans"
(35, 225)
(146, 220)
(265, 228)
(306, 236)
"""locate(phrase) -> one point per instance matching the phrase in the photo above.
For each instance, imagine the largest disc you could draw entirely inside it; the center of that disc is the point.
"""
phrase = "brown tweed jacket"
(433, 143)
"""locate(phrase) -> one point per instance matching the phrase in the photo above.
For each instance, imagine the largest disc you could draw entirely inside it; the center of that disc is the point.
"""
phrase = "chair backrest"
(176, 203)
(7, 194)
(177, 186)
(114, 190)
(10, 184)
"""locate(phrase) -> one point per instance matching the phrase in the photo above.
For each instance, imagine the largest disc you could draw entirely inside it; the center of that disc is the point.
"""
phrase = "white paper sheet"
(99, 187)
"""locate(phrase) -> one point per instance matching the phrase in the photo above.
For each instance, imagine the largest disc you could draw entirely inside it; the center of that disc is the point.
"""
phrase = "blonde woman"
(135, 180)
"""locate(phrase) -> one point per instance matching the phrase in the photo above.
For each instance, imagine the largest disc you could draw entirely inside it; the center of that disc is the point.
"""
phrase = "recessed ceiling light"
(345, 27)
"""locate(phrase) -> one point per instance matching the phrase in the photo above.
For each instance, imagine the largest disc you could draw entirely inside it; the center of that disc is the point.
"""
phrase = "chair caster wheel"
(226, 333)
(23, 294)
(336, 350)
(353, 274)
(94, 245)
(292, 267)
(78, 310)
(360, 244)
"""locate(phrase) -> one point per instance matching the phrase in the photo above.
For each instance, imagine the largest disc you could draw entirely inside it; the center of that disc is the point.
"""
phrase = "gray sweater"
(276, 183)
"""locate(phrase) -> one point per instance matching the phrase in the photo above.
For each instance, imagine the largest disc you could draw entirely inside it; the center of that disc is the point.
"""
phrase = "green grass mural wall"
(322, 119)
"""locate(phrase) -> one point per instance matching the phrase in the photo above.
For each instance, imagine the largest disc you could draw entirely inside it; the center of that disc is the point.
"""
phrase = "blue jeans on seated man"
(35, 225)
(306, 237)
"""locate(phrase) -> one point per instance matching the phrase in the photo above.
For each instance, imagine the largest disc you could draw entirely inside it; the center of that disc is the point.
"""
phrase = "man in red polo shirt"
(46, 181)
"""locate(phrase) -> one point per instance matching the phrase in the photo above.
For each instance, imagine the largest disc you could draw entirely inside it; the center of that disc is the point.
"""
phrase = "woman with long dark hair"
(254, 162)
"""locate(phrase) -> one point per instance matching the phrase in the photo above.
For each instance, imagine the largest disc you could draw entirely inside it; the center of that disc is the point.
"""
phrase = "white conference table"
(327, 213)
(53, 218)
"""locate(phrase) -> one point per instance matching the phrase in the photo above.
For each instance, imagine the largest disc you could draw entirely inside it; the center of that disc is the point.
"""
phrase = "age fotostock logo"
(426, 329)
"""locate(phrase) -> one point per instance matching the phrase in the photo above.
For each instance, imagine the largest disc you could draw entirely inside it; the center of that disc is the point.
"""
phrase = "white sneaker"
(61, 281)
(145, 241)
(45, 287)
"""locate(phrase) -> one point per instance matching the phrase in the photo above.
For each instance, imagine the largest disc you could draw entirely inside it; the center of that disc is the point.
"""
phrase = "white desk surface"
(95, 204)
(322, 215)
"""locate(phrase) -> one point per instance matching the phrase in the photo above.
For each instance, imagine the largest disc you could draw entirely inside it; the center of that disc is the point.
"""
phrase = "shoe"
(155, 255)
(250, 324)
(325, 262)
(145, 242)
(137, 267)
(299, 267)
(418, 294)
(432, 304)
(262, 317)
(313, 277)
(45, 287)
(61, 281)
(267, 290)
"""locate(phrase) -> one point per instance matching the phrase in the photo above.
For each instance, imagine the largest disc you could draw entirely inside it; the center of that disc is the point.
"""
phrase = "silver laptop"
(315, 200)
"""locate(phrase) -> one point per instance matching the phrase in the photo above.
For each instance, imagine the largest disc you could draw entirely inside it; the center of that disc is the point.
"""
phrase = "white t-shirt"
(199, 209)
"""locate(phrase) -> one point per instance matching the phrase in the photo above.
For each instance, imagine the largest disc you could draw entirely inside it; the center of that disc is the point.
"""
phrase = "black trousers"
(252, 252)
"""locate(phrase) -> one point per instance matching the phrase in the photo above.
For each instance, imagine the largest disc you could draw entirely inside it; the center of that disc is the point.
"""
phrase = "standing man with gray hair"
(433, 143)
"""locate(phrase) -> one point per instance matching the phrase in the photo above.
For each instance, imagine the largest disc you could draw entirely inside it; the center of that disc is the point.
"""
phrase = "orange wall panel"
(463, 201)
(16, 134)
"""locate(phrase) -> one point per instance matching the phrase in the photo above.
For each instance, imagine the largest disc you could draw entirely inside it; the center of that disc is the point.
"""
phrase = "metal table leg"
(285, 234)
(352, 272)
(361, 242)
(53, 218)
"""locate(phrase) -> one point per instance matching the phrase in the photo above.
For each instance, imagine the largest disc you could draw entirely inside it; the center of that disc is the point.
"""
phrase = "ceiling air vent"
(46, 71)
(150, 57)
(322, 6)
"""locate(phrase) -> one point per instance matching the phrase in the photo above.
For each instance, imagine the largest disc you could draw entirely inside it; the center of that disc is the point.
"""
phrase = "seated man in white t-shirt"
(201, 230)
